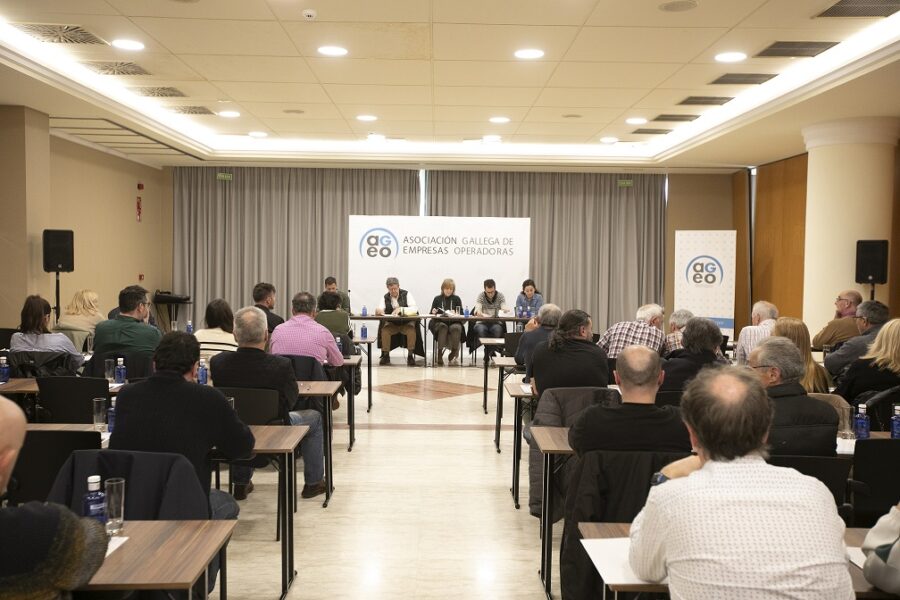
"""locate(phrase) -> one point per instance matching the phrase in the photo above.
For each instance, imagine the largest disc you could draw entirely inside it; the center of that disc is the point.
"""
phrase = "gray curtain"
(594, 245)
(287, 227)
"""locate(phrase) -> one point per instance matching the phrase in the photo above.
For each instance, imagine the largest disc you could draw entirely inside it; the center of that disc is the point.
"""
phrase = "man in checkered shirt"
(646, 330)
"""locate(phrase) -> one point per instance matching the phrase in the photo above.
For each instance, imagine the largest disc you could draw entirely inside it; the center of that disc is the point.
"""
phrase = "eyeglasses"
(858, 317)
(839, 299)
(762, 366)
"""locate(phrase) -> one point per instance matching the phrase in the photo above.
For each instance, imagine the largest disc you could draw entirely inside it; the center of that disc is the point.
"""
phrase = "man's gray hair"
(783, 354)
(638, 366)
(701, 335)
(764, 310)
(873, 311)
(649, 311)
(680, 318)
(548, 315)
(303, 303)
(250, 326)
(391, 281)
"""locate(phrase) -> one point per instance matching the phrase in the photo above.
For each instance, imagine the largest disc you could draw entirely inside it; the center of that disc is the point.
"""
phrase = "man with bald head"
(45, 549)
(637, 423)
(843, 326)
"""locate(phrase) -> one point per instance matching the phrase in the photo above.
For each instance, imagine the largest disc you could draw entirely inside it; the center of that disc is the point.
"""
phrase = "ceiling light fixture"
(366, 118)
(636, 120)
(571, 116)
(730, 57)
(490, 139)
(127, 45)
(529, 53)
(229, 114)
(258, 134)
(678, 5)
(499, 120)
(609, 140)
(332, 51)
(375, 137)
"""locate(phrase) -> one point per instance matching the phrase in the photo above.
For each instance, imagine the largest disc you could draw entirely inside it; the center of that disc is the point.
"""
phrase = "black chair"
(672, 398)
(880, 407)
(724, 345)
(255, 406)
(876, 486)
(308, 368)
(69, 399)
(6, 336)
(511, 343)
(610, 366)
(596, 337)
(137, 364)
(41, 364)
(833, 471)
(41, 457)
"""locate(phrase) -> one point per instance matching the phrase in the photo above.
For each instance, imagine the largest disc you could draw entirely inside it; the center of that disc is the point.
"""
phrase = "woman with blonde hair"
(815, 378)
(82, 313)
(446, 333)
(878, 369)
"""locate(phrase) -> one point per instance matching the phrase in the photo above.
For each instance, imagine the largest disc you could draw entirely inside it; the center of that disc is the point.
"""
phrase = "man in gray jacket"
(870, 316)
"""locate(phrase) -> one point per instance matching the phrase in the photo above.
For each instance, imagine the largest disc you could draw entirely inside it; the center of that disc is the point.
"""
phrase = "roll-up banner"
(704, 276)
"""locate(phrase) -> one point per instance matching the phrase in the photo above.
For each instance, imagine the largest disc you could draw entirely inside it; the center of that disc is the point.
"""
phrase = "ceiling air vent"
(862, 8)
(787, 49)
(191, 110)
(158, 92)
(742, 79)
(649, 131)
(676, 118)
(59, 34)
(115, 68)
(705, 100)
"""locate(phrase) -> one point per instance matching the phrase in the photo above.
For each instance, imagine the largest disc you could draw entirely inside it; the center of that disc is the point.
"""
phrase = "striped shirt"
(631, 333)
(673, 342)
(301, 335)
(751, 337)
(213, 341)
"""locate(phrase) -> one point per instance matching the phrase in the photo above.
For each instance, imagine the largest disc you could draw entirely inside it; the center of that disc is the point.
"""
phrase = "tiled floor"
(421, 508)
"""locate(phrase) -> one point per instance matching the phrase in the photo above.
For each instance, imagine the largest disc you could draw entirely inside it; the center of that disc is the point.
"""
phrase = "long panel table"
(329, 389)
(506, 366)
(351, 363)
(515, 391)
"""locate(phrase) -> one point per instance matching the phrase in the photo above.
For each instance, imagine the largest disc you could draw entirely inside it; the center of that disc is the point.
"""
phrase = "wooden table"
(368, 343)
(388, 318)
(329, 389)
(351, 363)
(506, 366)
(552, 442)
(853, 537)
(488, 342)
(28, 385)
(165, 555)
(514, 390)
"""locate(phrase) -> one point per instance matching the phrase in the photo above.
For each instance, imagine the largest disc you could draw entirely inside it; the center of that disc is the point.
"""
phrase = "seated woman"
(878, 369)
(529, 300)
(82, 313)
(332, 316)
(447, 333)
(815, 378)
(219, 333)
(34, 332)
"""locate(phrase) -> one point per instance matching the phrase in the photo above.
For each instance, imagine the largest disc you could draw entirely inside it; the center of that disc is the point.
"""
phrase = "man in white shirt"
(724, 523)
(397, 302)
(762, 319)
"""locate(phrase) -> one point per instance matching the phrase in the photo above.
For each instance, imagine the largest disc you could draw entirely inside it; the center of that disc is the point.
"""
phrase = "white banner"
(704, 276)
(422, 251)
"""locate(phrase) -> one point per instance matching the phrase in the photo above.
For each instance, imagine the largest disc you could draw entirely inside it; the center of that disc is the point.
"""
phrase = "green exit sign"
(224, 176)
(626, 183)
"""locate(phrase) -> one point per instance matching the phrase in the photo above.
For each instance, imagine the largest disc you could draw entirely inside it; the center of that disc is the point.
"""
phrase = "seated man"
(870, 316)
(331, 287)
(637, 423)
(397, 302)
(251, 367)
(843, 326)
(701, 339)
(677, 321)
(547, 319)
(801, 425)
(302, 336)
(46, 550)
(332, 316)
(168, 412)
(762, 319)
(724, 524)
(264, 299)
(645, 330)
(569, 358)
(128, 332)
(490, 303)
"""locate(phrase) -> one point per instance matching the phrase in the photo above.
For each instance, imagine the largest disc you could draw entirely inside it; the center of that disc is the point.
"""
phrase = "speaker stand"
(56, 308)
(871, 292)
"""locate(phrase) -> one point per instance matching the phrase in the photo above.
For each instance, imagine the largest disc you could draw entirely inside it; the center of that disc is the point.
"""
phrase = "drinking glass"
(174, 325)
(109, 368)
(115, 505)
(846, 428)
(230, 401)
(100, 414)
(90, 344)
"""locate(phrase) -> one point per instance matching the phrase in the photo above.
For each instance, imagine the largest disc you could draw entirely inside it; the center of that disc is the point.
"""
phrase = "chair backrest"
(511, 343)
(876, 464)
(348, 348)
(69, 399)
(137, 364)
(879, 406)
(724, 345)
(840, 406)
(595, 337)
(41, 364)
(307, 368)
(6, 334)
(255, 406)
(833, 471)
(78, 337)
(670, 398)
(561, 407)
(41, 456)
(610, 367)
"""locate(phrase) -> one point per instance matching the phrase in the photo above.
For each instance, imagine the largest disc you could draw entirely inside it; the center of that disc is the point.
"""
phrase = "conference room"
(435, 209)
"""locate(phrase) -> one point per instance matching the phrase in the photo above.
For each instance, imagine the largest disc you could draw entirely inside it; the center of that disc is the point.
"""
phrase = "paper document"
(845, 446)
(526, 388)
(610, 558)
(114, 543)
(856, 556)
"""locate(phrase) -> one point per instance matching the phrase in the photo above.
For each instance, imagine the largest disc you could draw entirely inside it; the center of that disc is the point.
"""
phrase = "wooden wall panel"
(740, 209)
(779, 234)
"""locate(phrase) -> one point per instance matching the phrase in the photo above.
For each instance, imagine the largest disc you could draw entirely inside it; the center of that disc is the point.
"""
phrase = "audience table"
(368, 342)
(329, 389)
(853, 538)
(28, 385)
(506, 366)
(552, 442)
(498, 342)
(165, 555)
(352, 363)
(515, 391)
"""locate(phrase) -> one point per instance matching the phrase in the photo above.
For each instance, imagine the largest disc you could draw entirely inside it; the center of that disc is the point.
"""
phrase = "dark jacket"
(864, 376)
(254, 368)
(681, 366)
(446, 303)
(272, 319)
(578, 363)
(802, 425)
(397, 338)
(527, 344)
(848, 352)
(629, 426)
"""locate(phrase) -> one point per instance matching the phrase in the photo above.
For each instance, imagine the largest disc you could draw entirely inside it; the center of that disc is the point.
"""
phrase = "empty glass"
(230, 401)
(109, 369)
(174, 326)
(115, 505)
(100, 414)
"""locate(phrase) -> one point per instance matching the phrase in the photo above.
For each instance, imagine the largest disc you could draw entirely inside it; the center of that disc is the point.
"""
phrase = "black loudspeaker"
(59, 251)
(871, 261)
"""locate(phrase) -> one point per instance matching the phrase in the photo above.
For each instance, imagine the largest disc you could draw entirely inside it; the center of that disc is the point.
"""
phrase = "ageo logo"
(379, 243)
(704, 270)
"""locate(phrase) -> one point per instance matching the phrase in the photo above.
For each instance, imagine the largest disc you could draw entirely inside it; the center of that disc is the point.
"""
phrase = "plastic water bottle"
(120, 370)
(365, 312)
(4, 370)
(337, 340)
(861, 423)
(190, 327)
(202, 373)
(111, 415)
(94, 501)
(466, 312)
(363, 331)
(895, 423)
(528, 312)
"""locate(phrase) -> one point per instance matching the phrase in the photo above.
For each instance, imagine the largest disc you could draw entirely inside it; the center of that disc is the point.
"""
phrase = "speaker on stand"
(871, 263)
(59, 255)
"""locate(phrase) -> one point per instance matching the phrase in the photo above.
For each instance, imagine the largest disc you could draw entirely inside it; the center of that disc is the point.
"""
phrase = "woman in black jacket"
(446, 332)
(878, 369)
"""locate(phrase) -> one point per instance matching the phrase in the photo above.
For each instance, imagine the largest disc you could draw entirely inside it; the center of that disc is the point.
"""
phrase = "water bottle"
(202, 373)
(528, 312)
(363, 331)
(190, 327)
(861, 423)
(466, 312)
(111, 415)
(365, 312)
(120, 370)
(4, 370)
(337, 340)
(895, 423)
(94, 501)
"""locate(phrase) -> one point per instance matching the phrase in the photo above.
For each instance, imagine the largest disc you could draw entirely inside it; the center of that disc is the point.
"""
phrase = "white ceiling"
(435, 71)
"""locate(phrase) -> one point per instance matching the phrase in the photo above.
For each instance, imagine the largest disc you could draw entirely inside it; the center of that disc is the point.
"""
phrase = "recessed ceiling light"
(636, 120)
(730, 57)
(258, 134)
(229, 114)
(127, 45)
(293, 111)
(499, 120)
(332, 50)
(366, 118)
(375, 137)
(490, 139)
(529, 53)
(678, 5)
(609, 140)
(571, 116)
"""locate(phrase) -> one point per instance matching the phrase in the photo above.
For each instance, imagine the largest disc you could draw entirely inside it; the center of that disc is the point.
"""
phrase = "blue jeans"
(486, 330)
(222, 507)
(312, 449)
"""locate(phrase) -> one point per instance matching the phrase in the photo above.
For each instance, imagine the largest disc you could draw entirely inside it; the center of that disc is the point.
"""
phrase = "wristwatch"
(657, 479)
